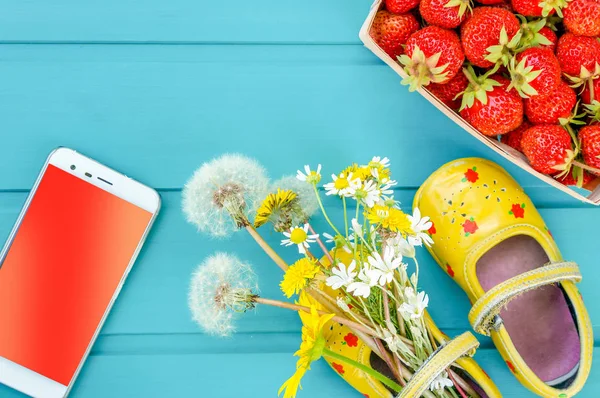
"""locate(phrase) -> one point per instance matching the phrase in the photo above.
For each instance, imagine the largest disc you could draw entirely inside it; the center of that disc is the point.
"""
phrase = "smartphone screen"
(66, 261)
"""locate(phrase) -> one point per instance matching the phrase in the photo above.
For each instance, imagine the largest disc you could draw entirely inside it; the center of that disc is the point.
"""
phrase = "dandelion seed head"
(220, 288)
(223, 193)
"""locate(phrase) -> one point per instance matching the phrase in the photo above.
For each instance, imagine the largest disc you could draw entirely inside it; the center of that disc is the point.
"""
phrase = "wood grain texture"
(154, 89)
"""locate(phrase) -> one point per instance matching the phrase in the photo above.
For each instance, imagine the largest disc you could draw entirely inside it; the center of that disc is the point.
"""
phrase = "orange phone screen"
(62, 270)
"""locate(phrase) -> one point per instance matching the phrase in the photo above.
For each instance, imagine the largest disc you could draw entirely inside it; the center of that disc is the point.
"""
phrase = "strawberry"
(483, 30)
(550, 37)
(537, 34)
(390, 31)
(489, 106)
(586, 94)
(574, 52)
(582, 17)
(548, 147)
(444, 13)
(549, 109)
(513, 138)
(400, 6)
(534, 72)
(448, 91)
(433, 55)
(492, 2)
(590, 145)
(535, 8)
(577, 176)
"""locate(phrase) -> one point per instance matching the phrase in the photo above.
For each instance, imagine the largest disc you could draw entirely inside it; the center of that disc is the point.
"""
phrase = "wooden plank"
(154, 299)
(134, 107)
(229, 375)
(309, 21)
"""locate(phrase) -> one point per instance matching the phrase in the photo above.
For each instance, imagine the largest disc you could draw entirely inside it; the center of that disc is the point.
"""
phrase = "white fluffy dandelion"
(221, 287)
(306, 195)
(223, 192)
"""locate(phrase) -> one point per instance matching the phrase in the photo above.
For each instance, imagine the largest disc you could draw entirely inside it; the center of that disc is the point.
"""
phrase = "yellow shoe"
(454, 351)
(491, 240)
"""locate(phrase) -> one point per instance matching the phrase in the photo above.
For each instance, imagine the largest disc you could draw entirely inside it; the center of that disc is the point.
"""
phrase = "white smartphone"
(62, 267)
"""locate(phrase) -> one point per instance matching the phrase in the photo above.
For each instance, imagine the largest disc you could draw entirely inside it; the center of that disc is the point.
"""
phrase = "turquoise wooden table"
(154, 88)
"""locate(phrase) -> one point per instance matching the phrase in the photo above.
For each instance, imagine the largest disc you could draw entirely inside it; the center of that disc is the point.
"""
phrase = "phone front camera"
(73, 167)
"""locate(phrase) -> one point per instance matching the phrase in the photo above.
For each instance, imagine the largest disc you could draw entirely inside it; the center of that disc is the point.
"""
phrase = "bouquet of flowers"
(356, 273)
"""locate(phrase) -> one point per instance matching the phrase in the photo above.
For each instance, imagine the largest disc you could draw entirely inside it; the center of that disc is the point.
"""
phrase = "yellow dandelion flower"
(390, 218)
(298, 276)
(360, 172)
(311, 349)
(275, 207)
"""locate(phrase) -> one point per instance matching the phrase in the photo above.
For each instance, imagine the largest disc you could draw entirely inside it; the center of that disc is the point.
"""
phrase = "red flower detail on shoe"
(517, 210)
(471, 175)
(511, 366)
(338, 368)
(449, 270)
(470, 226)
(366, 395)
(351, 340)
(432, 230)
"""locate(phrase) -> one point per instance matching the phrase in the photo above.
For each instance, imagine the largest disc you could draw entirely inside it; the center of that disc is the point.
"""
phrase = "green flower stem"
(323, 210)
(355, 232)
(334, 355)
(345, 215)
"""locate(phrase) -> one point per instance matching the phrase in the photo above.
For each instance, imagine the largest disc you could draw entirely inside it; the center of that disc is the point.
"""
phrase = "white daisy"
(310, 176)
(368, 278)
(342, 185)
(385, 265)
(366, 192)
(342, 276)
(401, 246)
(299, 236)
(379, 162)
(386, 186)
(441, 382)
(414, 305)
(420, 225)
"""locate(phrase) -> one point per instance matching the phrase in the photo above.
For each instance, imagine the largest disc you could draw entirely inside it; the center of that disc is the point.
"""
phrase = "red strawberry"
(590, 145)
(582, 17)
(535, 8)
(448, 91)
(537, 34)
(391, 31)
(573, 52)
(586, 95)
(400, 6)
(513, 138)
(548, 147)
(482, 30)
(492, 2)
(550, 36)
(576, 176)
(535, 72)
(549, 108)
(444, 13)
(433, 55)
(502, 110)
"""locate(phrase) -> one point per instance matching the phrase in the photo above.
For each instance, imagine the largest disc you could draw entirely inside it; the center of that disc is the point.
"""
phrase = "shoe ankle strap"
(484, 316)
(439, 361)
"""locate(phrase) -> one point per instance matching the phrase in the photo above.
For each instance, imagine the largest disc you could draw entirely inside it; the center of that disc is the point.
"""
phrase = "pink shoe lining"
(540, 323)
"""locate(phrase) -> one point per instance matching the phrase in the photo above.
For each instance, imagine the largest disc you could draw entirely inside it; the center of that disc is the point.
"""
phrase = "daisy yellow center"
(298, 236)
(341, 183)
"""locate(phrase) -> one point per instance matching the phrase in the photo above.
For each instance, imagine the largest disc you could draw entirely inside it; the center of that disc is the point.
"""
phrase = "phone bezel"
(26, 380)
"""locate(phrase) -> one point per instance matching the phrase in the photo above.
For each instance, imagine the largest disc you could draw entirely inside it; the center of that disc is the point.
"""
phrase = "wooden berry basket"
(507, 152)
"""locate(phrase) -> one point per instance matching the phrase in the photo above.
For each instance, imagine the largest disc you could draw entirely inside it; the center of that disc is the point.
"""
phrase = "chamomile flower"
(414, 305)
(419, 225)
(385, 265)
(299, 236)
(298, 276)
(309, 176)
(311, 349)
(401, 246)
(386, 186)
(342, 276)
(342, 185)
(441, 382)
(367, 279)
(366, 192)
(221, 287)
(222, 193)
(380, 168)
